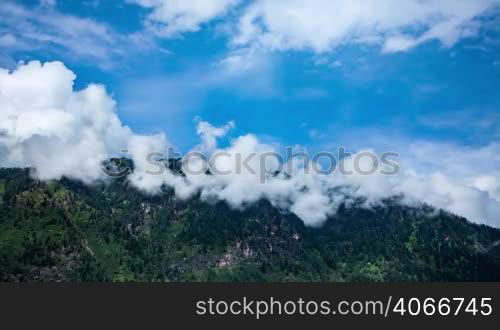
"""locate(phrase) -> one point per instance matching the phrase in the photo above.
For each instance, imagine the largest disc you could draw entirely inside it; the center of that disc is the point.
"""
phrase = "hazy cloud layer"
(24, 28)
(323, 25)
(170, 18)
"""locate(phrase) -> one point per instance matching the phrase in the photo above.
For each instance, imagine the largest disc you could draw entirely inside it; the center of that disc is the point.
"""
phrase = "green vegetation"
(65, 231)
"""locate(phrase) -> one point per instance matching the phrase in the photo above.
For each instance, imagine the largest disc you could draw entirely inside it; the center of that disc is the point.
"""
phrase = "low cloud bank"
(47, 125)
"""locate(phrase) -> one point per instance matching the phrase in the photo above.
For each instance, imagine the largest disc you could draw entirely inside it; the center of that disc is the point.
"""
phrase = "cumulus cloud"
(58, 131)
(322, 25)
(47, 125)
(170, 18)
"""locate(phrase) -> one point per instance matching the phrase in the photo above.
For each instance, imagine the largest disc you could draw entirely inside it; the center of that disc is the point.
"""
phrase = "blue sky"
(420, 78)
(297, 96)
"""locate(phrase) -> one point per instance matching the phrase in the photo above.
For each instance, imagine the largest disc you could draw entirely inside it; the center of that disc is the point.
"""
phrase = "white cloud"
(47, 125)
(462, 180)
(209, 134)
(254, 27)
(170, 18)
(322, 25)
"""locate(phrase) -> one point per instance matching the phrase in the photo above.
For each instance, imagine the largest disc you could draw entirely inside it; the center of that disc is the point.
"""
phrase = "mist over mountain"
(59, 131)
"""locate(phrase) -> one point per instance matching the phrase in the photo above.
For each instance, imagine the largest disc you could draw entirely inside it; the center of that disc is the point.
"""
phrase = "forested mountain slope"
(66, 231)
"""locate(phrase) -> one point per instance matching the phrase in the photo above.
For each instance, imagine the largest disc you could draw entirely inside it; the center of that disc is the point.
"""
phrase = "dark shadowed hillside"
(65, 231)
